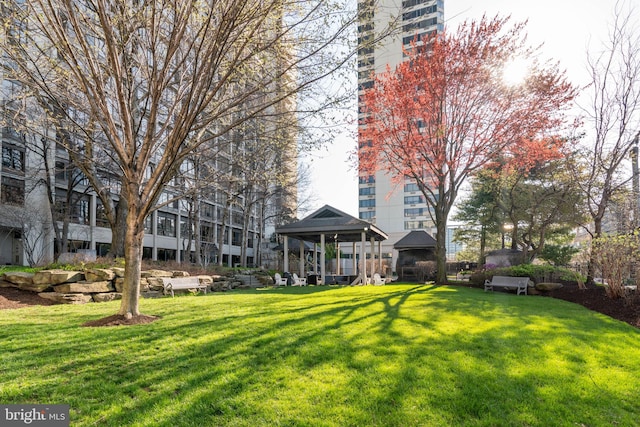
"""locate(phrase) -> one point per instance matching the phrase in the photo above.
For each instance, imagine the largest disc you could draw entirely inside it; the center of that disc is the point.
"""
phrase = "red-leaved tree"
(447, 111)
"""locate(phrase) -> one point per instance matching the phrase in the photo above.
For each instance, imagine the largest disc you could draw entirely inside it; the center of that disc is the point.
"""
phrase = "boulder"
(66, 298)
(180, 273)
(119, 284)
(34, 287)
(6, 284)
(99, 274)
(56, 277)
(144, 284)
(107, 296)
(155, 283)
(84, 287)
(544, 287)
(248, 281)
(156, 273)
(219, 286)
(19, 277)
(205, 280)
(119, 271)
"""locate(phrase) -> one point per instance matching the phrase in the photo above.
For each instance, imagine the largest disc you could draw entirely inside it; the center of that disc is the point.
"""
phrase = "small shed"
(339, 227)
(415, 250)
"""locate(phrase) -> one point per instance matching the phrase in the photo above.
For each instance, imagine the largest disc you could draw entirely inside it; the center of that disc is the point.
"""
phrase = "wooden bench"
(171, 284)
(519, 283)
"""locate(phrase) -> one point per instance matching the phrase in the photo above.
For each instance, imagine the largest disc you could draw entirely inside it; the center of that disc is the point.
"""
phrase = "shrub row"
(537, 273)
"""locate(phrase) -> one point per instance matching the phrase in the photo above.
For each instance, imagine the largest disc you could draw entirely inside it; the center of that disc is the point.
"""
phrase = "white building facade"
(395, 209)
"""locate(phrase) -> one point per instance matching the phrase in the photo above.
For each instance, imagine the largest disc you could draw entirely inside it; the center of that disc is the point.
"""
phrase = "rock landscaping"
(105, 284)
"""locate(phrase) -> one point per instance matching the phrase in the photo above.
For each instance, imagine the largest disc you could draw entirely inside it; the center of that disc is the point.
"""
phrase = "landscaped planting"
(399, 355)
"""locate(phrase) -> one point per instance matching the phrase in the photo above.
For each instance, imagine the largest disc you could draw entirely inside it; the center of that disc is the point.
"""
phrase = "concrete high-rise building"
(217, 208)
(395, 210)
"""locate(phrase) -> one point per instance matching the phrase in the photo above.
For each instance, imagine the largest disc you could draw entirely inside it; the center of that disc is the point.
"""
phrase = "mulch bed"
(120, 320)
(16, 298)
(594, 298)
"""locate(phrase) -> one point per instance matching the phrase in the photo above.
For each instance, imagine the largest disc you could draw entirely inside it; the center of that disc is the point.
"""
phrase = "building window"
(207, 210)
(101, 215)
(80, 212)
(369, 179)
(13, 158)
(168, 200)
(369, 203)
(166, 224)
(61, 172)
(236, 238)
(367, 215)
(206, 233)
(12, 191)
(415, 212)
(166, 254)
(236, 218)
(148, 224)
(186, 228)
(417, 225)
(414, 200)
(412, 186)
(367, 191)
(407, 16)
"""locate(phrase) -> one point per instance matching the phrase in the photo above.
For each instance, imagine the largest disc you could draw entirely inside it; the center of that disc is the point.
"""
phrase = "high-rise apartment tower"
(395, 210)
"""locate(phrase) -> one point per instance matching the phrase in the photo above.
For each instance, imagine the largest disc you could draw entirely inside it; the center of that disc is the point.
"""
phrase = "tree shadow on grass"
(358, 356)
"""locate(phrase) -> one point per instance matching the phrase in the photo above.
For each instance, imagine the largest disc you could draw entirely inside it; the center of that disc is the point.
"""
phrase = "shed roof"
(331, 221)
(416, 239)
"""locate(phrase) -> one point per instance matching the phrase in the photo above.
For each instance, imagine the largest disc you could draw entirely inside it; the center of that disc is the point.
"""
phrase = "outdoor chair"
(297, 281)
(377, 280)
(278, 280)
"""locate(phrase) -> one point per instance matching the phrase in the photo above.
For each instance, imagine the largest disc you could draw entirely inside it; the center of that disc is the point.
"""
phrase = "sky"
(566, 28)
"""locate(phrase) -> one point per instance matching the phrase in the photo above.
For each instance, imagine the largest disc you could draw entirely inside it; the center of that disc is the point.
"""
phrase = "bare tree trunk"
(223, 226)
(197, 232)
(118, 232)
(245, 231)
(591, 266)
(134, 234)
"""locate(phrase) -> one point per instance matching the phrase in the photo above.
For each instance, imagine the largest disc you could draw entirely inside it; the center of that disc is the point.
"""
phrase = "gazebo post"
(380, 258)
(301, 260)
(315, 258)
(373, 255)
(285, 266)
(353, 258)
(337, 257)
(363, 252)
(323, 269)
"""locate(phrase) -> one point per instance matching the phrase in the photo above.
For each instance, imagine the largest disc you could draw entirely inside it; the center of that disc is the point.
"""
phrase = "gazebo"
(341, 227)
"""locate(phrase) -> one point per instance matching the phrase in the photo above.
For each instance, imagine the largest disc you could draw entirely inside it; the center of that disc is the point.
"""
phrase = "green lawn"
(400, 355)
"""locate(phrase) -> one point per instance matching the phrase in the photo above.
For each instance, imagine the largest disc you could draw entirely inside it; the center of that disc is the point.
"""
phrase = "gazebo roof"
(416, 239)
(331, 221)
(308, 246)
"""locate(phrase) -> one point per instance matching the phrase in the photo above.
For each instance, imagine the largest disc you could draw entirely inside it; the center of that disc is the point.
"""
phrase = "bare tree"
(612, 117)
(33, 227)
(133, 88)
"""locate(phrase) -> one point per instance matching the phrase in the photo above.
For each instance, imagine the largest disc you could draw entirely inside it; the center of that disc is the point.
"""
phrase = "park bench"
(519, 283)
(171, 284)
